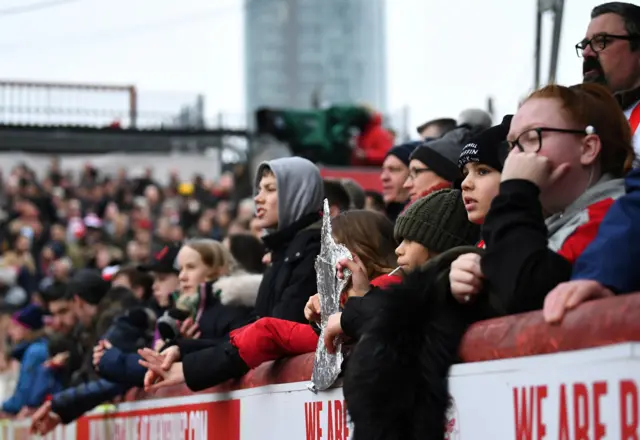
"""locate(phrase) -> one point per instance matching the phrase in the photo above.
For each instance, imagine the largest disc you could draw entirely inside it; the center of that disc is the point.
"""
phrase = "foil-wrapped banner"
(327, 366)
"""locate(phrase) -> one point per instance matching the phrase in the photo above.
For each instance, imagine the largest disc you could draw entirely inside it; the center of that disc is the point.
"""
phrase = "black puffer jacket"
(291, 279)
(395, 385)
(358, 312)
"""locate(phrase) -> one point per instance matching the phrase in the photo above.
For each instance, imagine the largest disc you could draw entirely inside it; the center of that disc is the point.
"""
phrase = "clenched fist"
(465, 277)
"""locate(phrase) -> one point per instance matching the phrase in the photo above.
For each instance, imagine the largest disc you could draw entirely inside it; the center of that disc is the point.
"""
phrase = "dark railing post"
(133, 107)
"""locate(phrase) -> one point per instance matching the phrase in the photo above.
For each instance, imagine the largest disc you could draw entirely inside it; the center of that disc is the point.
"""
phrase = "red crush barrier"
(594, 324)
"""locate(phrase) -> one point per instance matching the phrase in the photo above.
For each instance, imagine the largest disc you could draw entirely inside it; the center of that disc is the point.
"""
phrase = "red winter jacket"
(376, 141)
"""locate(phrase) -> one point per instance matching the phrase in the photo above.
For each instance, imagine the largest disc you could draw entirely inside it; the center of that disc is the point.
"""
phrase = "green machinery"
(321, 135)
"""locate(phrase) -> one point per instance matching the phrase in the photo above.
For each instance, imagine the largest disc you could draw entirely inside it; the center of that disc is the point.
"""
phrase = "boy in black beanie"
(481, 163)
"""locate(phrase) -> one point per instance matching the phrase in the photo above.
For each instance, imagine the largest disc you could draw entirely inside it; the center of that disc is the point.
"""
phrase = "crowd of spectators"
(109, 283)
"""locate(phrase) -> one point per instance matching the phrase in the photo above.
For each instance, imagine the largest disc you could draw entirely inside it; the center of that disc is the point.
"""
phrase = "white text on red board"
(190, 425)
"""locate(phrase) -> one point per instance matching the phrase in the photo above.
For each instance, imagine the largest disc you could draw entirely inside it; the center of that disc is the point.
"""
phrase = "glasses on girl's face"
(530, 141)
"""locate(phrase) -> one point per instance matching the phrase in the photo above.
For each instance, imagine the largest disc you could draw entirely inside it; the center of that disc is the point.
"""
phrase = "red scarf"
(383, 281)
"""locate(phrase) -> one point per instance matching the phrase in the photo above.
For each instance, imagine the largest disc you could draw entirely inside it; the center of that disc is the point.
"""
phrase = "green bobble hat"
(438, 222)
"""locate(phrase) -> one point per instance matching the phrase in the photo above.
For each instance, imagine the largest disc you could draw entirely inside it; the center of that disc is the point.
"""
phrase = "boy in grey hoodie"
(288, 205)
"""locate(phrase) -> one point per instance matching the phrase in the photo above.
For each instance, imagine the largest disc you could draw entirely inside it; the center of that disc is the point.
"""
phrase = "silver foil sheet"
(327, 366)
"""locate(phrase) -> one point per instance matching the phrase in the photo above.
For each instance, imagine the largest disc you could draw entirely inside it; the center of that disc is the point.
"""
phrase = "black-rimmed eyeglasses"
(530, 141)
(599, 42)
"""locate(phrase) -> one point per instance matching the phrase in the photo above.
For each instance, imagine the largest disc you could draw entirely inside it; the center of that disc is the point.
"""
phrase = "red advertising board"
(199, 421)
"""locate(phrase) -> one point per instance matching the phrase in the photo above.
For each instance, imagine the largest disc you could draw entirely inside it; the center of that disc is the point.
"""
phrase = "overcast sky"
(442, 56)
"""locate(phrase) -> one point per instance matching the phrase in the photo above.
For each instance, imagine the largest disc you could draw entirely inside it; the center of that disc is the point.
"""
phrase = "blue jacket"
(120, 371)
(73, 402)
(122, 367)
(118, 368)
(613, 256)
(35, 382)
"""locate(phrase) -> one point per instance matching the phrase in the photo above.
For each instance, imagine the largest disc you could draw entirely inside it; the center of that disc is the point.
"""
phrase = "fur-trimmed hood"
(239, 289)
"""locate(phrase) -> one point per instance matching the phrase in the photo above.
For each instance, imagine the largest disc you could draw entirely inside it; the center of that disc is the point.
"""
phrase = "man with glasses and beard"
(611, 52)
